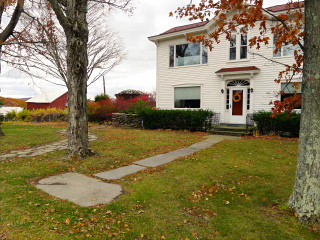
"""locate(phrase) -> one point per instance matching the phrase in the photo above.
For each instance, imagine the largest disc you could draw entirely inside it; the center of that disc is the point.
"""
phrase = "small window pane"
(232, 53)
(289, 49)
(233, 40)
(243, 52)
(187, 97)
(188, 54)
(171, 61)
(283, 97)
(248, 99)
(227, 99)
(243, 39)
(278, 54)
(288, 88)
(204, 55)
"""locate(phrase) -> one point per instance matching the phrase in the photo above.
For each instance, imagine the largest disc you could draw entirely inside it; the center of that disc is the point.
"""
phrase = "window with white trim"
(289, 91)
(285, 50)
(187, 97)
(238, 45)
(187, 54)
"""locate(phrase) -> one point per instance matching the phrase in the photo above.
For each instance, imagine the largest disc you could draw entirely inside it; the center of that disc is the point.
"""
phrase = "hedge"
(192, 120)
(282, 123)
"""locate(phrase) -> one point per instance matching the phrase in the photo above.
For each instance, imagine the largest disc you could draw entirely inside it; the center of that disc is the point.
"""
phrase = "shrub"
(101, 97)
(55, 114)
(102, 110)
(278, 125)
(137, 104)
(192, 120)
(23, 115)
(105, 108)
(10, 116)
(43, 115)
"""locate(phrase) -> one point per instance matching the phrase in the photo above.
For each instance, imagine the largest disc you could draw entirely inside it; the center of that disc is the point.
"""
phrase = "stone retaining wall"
(128, 120)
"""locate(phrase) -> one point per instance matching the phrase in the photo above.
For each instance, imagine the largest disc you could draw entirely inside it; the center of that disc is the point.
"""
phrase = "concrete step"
(229, 133)
(230, 130)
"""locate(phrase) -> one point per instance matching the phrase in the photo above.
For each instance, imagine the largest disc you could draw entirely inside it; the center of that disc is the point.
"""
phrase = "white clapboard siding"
(264, 87)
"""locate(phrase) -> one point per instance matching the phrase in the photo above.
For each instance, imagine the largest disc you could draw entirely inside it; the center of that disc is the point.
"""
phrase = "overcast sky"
(138, 71)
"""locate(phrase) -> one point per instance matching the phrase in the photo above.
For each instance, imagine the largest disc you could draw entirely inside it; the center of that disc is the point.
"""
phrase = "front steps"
(231, 130)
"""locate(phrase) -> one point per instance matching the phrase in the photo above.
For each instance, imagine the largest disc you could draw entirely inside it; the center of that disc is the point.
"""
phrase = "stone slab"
(162, 159)
(8, 156)
(120, 172)
(80, 189)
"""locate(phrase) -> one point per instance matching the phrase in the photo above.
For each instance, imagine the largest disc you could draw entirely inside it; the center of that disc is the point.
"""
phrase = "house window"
(187, 54)
(187, 97)
(238, 45)
(289, 91)
(285, 50)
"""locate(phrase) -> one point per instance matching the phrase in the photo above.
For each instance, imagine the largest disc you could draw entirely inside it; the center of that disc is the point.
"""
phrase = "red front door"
(237, 103)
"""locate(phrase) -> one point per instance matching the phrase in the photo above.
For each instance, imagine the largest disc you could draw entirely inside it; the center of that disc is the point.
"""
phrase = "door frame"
(239, 119)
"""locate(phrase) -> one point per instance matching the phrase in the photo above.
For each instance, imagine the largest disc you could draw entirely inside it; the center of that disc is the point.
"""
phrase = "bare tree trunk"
(77, 62)
(75, 26)
(305, 199)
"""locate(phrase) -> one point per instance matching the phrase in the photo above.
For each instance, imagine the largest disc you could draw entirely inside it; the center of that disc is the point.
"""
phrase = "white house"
(229, 80)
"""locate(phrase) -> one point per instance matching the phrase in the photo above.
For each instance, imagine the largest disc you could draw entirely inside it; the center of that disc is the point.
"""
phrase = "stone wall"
(127, 120)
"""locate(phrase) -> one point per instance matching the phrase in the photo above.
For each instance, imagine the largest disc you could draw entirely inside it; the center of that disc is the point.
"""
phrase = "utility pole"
(104, 86)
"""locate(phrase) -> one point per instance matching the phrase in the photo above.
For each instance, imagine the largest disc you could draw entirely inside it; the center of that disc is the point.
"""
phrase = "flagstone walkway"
(85, 191)
(36, 151)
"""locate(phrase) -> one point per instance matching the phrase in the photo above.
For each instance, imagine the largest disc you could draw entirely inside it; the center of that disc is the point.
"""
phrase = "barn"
(48, 100)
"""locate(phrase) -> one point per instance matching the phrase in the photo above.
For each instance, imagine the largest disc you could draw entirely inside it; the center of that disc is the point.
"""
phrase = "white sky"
(138, 71)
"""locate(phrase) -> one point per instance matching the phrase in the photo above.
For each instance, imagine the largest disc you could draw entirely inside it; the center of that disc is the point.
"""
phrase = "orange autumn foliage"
(13, 102)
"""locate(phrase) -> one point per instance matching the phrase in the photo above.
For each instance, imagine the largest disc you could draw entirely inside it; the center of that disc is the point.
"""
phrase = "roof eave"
(181, 33)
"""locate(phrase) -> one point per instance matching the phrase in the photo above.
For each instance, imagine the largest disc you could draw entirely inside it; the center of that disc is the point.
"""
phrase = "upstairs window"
(285, 50)
(238, 45)
(188, 54)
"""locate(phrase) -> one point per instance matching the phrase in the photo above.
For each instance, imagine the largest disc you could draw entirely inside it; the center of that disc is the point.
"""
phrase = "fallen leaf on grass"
(67, 221)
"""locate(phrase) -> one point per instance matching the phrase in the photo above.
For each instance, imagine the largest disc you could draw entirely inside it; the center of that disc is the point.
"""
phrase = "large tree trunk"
(305, 199)
(77, 62)
(71, 15)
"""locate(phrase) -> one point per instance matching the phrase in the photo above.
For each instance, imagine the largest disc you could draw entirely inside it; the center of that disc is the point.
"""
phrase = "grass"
(22, 135)
(233, 190)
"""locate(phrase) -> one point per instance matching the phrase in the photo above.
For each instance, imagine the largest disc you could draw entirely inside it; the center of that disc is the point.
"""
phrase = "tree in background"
(291, 28)
(13, 102)
(47, 61)
(100, 97)
(8, 31)
(129, 94)
(71, 15)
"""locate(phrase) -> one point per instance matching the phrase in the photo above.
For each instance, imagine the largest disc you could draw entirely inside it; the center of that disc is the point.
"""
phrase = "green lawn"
(21, 135)
(233, 190)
